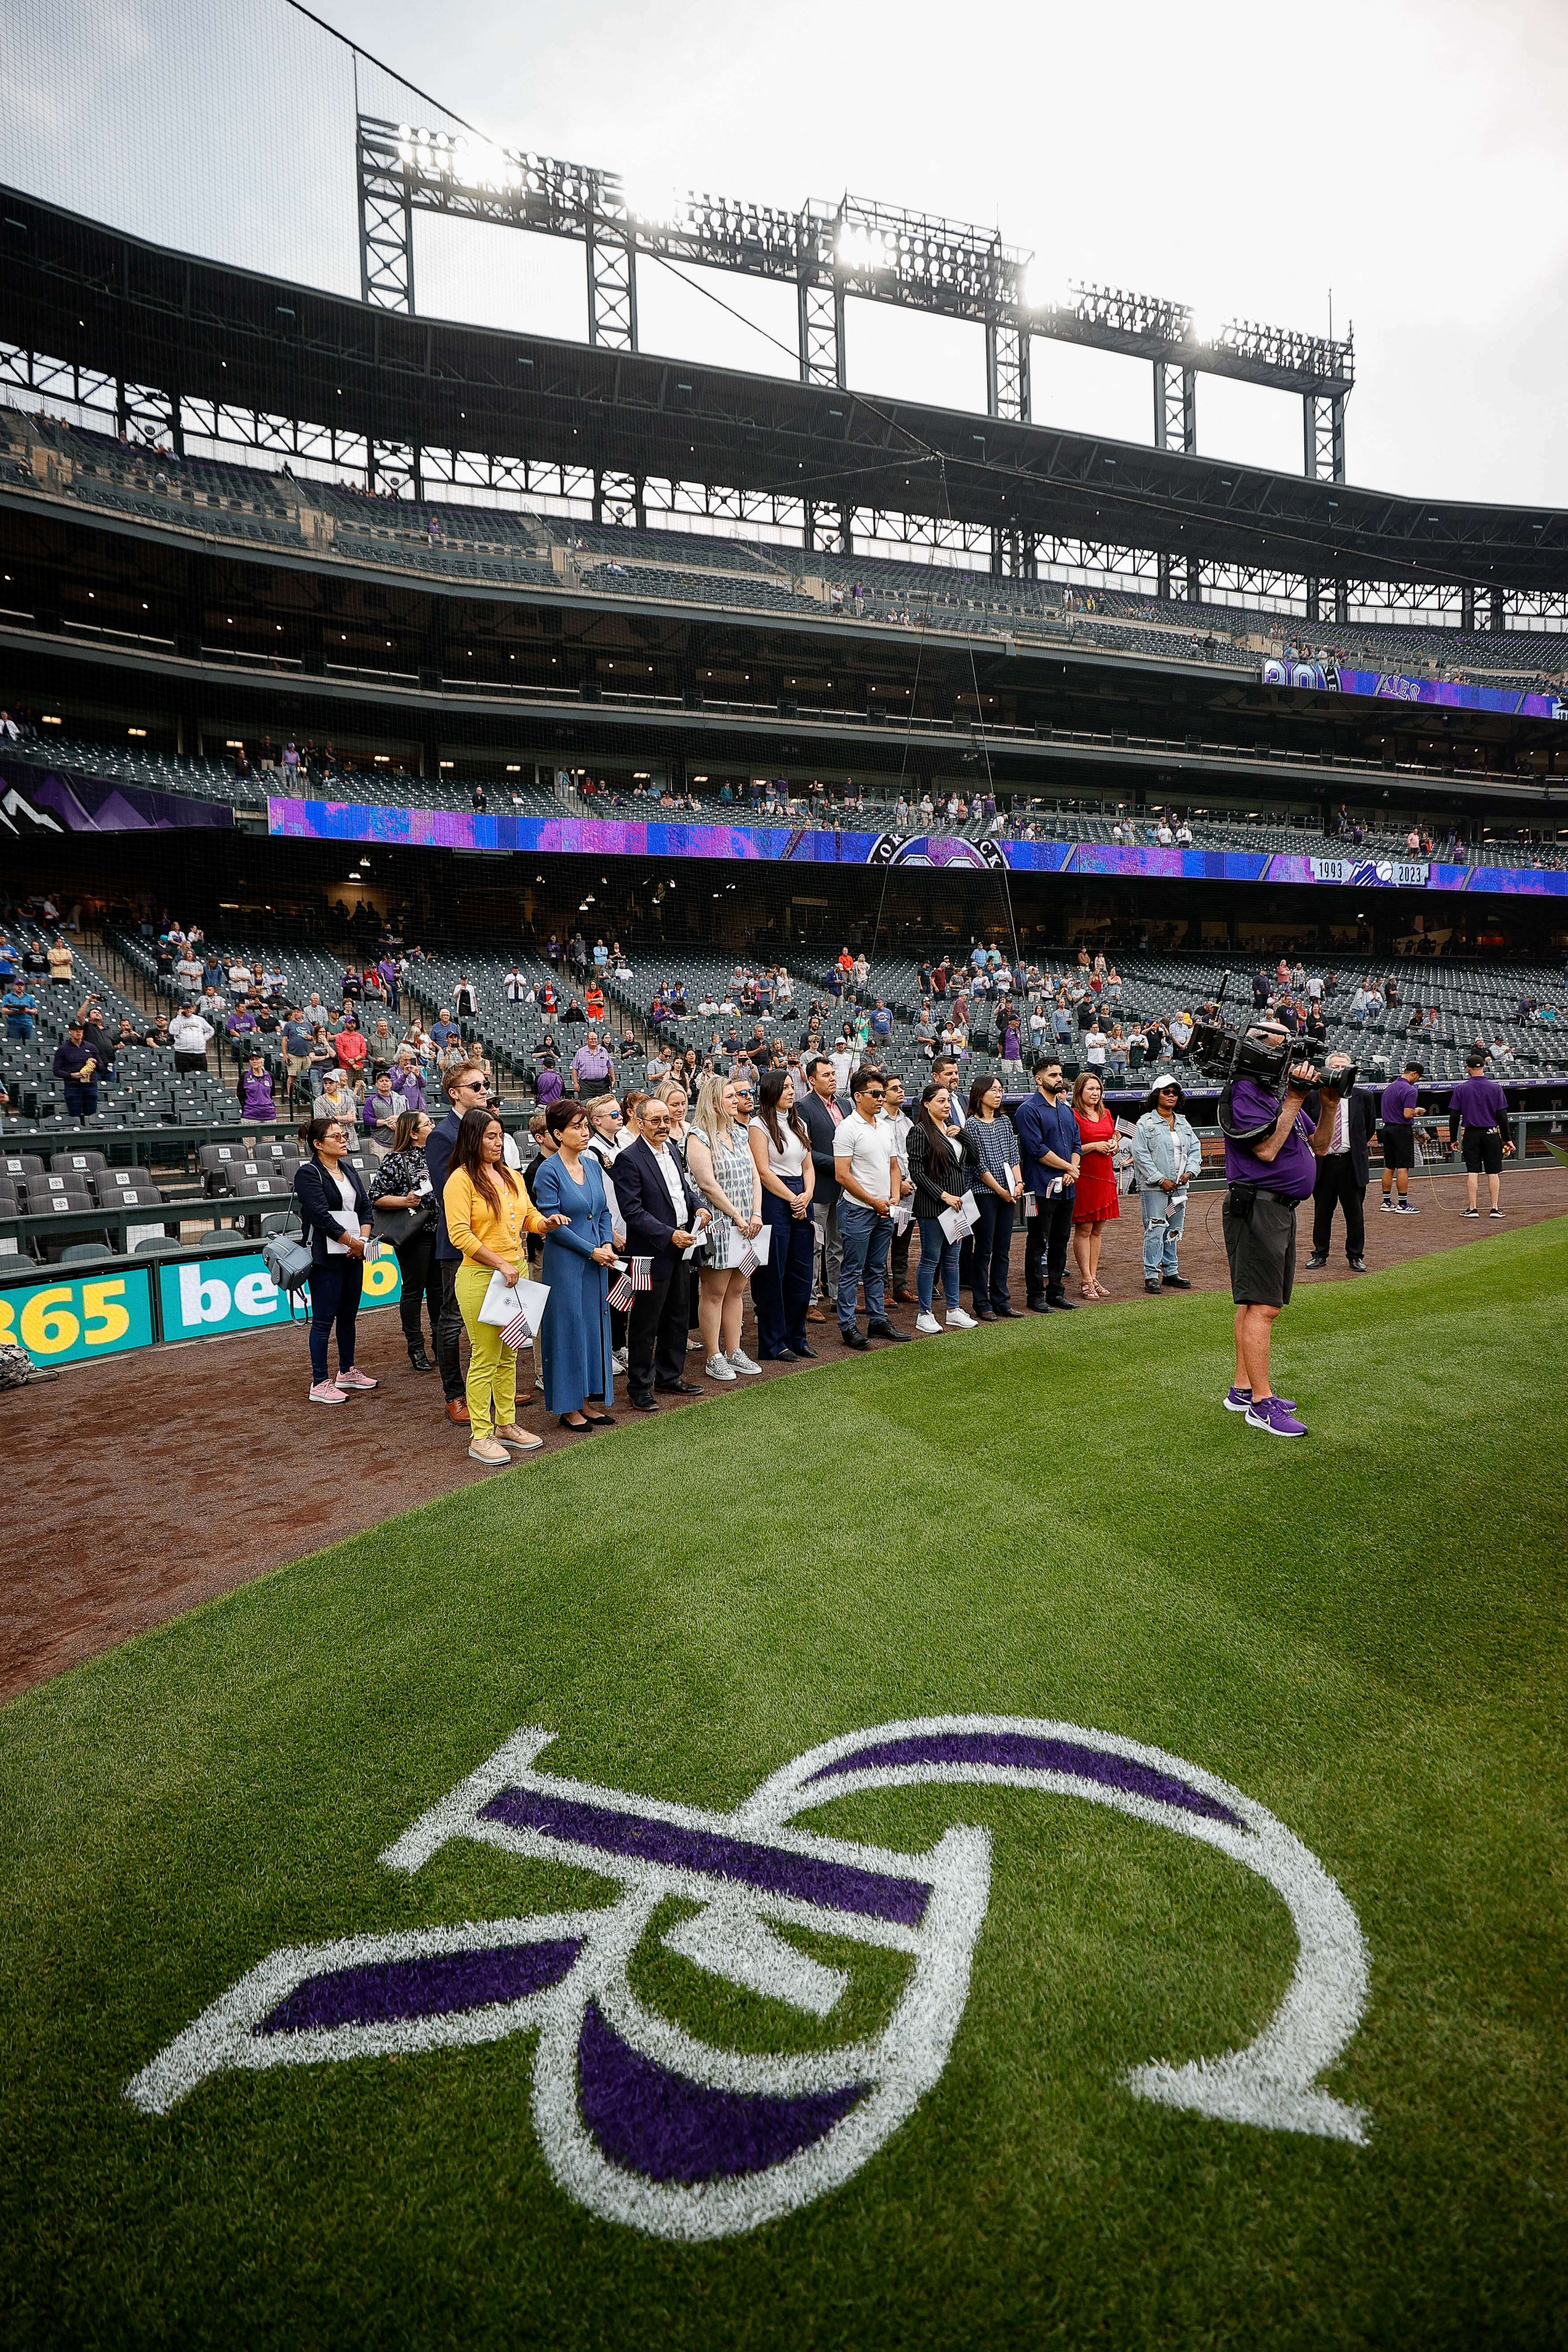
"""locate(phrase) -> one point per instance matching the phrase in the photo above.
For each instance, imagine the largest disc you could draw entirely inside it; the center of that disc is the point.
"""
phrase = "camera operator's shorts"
(1262, 1251)
(1483, 1149)
(1399, 1145)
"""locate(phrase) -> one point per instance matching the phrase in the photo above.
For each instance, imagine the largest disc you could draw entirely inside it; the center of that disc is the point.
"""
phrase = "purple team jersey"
(1293, 1169)
(1481, 1102)
(1397, 1100)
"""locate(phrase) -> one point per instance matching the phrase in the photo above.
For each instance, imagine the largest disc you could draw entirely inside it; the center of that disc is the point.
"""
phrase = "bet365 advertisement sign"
(63, 1322)
(210, 1295)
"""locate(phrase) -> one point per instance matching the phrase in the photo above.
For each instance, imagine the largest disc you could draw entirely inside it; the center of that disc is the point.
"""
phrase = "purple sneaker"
(1277, 1416)
(1240, 1401)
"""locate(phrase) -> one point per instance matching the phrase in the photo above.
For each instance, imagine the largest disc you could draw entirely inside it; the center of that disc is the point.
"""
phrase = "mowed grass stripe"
(1051, 1519)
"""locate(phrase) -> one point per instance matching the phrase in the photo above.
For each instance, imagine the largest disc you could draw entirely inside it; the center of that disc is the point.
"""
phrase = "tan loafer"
(523, 1439)
(488, 1450)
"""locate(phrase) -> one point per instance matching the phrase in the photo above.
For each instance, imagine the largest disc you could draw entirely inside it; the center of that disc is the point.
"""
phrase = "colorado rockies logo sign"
(644, 2123)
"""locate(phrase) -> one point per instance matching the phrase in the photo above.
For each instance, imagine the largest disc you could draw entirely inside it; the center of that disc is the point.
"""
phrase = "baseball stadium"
(599, 864)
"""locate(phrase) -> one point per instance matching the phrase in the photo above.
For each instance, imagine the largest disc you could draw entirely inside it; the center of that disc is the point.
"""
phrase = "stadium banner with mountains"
(498, 831)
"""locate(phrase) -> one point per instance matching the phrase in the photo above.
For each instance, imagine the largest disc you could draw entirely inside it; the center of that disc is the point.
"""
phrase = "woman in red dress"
(1094, 1202)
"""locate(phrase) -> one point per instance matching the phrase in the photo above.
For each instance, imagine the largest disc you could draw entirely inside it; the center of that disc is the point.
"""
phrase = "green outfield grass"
(1053, 1519)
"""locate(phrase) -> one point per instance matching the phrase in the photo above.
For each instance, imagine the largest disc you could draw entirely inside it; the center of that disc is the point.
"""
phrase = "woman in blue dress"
(574, 1342)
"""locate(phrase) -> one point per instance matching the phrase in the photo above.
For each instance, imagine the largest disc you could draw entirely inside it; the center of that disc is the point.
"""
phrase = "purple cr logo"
(647, 2124)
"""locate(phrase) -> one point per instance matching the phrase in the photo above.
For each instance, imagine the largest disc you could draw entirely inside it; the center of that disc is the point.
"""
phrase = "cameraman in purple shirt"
(1269, 1174)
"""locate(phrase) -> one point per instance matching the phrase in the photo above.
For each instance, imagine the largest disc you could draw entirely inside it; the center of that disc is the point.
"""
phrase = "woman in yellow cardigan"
(488, 1213)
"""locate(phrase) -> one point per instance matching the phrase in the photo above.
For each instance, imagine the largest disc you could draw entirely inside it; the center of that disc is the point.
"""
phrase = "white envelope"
(954, 1224)
(503, 1299)
(972, 1207)
(761, 1244)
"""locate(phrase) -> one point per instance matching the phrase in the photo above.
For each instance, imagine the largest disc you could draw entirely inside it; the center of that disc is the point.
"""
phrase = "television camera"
(1224, 1055)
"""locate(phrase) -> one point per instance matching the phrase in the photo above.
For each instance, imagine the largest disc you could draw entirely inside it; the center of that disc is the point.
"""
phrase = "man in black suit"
(1342, 1180)
(823, 1110)
(650, 1181)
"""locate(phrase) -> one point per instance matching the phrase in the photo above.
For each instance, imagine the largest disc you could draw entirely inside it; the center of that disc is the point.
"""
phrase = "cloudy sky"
(1406, 154)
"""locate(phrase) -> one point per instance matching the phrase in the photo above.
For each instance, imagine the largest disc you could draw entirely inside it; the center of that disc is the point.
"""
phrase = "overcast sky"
(1407, 154)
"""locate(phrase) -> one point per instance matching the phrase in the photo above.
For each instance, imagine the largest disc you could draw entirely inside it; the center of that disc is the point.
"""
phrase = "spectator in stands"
(78, 1069)
(400, 1185)
(1050, 1145)
(337, 1098)
(381, 1108)
(335, 1220)
(781, 1288)
(935, 1158)
(1166, 1156)
(352, 1044)
(190, 1035)
(240, 1027)
(1095, 1204)
(443, 1031)
(866, 1164)
(719, 1162)
(487, 1210)
(255, 1089)
(593, 1072)
(547, 1086)
(1480, 1107)
(408, 1078)
(575, 1341)
(992, 1166)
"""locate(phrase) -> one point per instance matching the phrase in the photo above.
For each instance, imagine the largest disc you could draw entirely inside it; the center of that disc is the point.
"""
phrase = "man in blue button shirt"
(20, 1005)
(1049, 1141)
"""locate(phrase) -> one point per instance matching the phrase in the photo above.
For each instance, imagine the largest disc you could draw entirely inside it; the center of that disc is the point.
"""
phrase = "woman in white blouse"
(781, 1290)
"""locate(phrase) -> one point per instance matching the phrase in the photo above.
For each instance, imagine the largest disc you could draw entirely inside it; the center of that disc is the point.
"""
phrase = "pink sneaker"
(356, 1379)
(324, 1392)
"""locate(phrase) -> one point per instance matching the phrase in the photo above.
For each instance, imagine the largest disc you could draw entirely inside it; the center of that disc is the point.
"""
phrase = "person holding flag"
(487, 1211)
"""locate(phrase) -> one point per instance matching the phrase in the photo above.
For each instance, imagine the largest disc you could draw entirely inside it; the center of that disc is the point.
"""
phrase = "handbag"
(287, 1259)
(396, 1226)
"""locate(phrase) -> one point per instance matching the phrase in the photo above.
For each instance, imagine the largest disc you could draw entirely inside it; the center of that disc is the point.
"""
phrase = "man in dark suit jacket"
(822, 1110)
(657, 1327)
(1341, 1180)
(466, 1090)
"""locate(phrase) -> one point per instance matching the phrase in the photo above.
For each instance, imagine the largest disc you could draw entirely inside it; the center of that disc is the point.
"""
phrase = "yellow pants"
(492, 1365)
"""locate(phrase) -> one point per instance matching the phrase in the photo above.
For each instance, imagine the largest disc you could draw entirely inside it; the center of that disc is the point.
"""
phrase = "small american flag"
(636, 1276)
(749, 1260)
(518, 1332)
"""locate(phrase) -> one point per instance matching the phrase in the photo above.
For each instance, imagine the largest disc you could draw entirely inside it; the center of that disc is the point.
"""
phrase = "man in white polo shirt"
(866, 1164)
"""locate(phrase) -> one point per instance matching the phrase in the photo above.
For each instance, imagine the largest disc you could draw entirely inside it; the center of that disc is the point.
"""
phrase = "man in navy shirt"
(1480, 1106)
(1049, 1140)
(1270, 1171)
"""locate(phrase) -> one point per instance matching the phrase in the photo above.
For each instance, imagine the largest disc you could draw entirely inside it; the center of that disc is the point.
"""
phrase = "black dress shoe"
(1152, 1287)
(884, 1330)
(1176, 1282)
(643, 1403)
(984, 1315)
(681, 1387)
(1357, 1265)
(1010, 1314)
(805, 1348)
(1040, 1306)
(1058, 1305)
(855, 1338)
(1317, 1261)
(419, 1361)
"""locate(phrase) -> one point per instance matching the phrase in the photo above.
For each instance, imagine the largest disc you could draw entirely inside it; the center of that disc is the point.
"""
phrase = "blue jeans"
(865, 1236)
(335, 1287)
(937, 1256)
(1160, 1235)
(992, 1244)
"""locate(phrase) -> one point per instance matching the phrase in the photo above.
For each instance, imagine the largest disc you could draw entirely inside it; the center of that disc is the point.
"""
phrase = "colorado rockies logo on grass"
(647, 2124)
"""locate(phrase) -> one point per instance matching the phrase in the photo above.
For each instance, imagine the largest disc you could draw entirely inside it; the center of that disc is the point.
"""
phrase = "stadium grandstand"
(672, 879)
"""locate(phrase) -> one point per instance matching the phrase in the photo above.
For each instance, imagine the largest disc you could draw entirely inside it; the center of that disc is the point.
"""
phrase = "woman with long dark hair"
(335, 1217)
(936, 1172)
(1094, 1197)
(487, 1211)
(996, 1172)
(781, 1290)
(403, 1181)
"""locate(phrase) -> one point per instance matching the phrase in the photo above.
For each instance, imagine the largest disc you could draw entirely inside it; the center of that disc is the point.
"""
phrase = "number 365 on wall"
(61, 1322)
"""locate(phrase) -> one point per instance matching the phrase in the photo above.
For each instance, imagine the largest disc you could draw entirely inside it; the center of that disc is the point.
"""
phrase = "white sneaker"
(957, 1320)
(925, 1321)
(327, 1392)
(742, 1362)
(718, 1368)
(693, 1343)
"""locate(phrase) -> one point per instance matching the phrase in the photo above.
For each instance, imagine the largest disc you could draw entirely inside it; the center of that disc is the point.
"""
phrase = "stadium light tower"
(828, 251)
